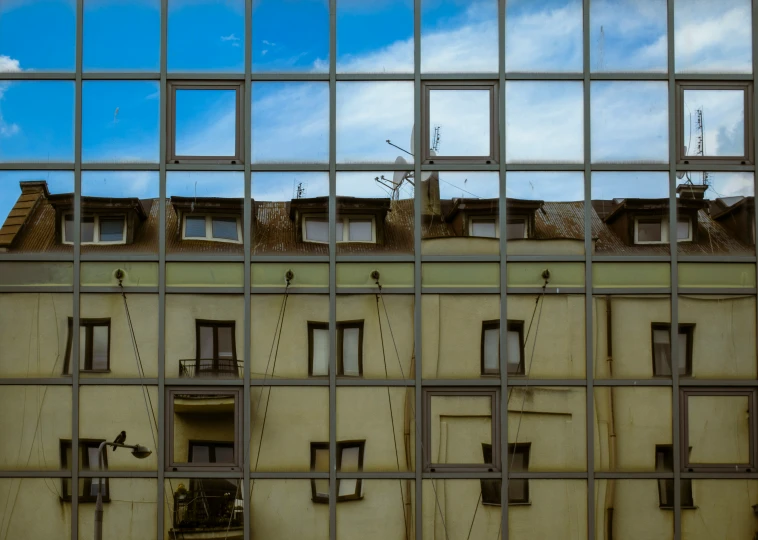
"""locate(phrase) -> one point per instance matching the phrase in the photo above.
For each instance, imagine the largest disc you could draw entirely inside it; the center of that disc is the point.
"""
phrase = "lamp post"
(138, 451)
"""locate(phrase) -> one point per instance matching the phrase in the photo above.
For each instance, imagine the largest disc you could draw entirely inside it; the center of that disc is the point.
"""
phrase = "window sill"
(94, 371)
(683, 507)
(86, 500)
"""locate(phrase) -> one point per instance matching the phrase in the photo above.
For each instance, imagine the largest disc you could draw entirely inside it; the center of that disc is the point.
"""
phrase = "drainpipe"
(409, 403)
(610, 494)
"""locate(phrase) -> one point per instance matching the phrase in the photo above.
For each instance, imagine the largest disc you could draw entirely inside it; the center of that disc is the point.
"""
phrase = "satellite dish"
(413, 136)
(680, 174)
(399, 176)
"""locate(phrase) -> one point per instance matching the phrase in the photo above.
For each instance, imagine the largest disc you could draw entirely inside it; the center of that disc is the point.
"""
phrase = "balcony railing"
(211, 367)
(207, 509)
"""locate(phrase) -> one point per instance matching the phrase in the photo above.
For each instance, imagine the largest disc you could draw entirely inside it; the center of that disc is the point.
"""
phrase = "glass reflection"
(386, 511)
(714, 122)
(206, 122)
(291, 36)
(713, 36)
(460, 121)
(628, 35)
(280, 506)
(718, 429)
(543, 35)
(544, 121)
(632, 508)
(35, 496)
(203, 506)
(361, 49)
(564, 500)
(723, 505)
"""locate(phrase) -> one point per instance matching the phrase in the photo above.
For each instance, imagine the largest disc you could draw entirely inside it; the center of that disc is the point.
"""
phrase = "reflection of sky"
(373, 184)
(723, 121)
(206, 122)
(545, 186)
(467, 185)
(205, 184)
(283, 186)
(463, 117)
(57, 182)
(140, 184)
(636, 185)
(723, 184)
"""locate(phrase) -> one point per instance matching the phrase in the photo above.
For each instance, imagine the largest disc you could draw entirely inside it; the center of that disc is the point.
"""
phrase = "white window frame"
(96, 233)
(209, 228)
(345, 228)
(664, 231)
(474, 219)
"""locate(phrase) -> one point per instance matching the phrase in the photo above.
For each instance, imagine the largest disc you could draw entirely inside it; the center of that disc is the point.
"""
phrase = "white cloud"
(7, 64)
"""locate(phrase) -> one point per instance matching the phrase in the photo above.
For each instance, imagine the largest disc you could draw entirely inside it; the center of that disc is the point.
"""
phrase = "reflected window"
(662, 349)
(349, 349)
(516, 228)
(518, 488)
(94, 345)
(349, 460)
(217, 228)
(216, 351)
(88, 461)
(664, 462)
(484, 227)
(96, 229)
(204, 123)
(714, 121)
(656, 230)
(491, 347)
(459, 122)
(211, 452)
(349, 229)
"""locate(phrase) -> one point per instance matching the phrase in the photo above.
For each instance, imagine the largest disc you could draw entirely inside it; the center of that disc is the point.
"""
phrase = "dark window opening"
(518, 488)
(490, 348)
(88, 461)
(349, 460)
(664, 461)
(94, 345)
(662, 349)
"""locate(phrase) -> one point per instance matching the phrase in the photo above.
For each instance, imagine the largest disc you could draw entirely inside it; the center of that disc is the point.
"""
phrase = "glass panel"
(224, 228)
(628, 35)
(317, 230)
(120, 121)
(723, 335)
(100, 347)
(279, 29)
(359, 230)
(361, 49)
(193, 196)
(492, 350)
(206, 35)
(484, 227)
(280, 506)
(631, 422)
(563, 500)
(320, 352)
(295, 418)
(451, 333)
(37, 497)
(719, 207)
(459, 36)
(111, 229)
(282, 202)
(718, 429)
(224, 454)
(203, 506)
(619, 199)
(627, 343)
(629, 508)
(82, 348)
(459, 425)
(514, 351)
(546, 212)
(349, 464)
(385, 511)
(194, 227)
(88, 229)
(712, 37)
(206, 123)
(290, 122)
(201, 416)
(460, 122)
(683, 229)
(722, 505)
(351, 351)
(109, 30)
(383, 417)
(714, 123)
(49, 47)
(200, 453)
(369, 114)
(34, 334)
(37, 120)
(225, 344)
(543, 35)
(549, 418)
(642, 108)
(544, 122)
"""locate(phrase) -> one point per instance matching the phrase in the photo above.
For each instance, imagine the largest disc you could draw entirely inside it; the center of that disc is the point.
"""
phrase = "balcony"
(224, 368)
(207, 513)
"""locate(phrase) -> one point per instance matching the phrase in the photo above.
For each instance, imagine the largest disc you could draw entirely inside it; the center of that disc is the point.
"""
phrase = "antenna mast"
(701, 139)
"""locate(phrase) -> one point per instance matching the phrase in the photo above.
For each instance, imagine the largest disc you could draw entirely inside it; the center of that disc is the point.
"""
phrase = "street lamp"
(138, 451)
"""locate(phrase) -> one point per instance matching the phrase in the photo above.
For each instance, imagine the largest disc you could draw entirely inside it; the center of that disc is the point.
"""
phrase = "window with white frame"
(655, 230)
(96, 229)
(516, 228)
(216, 228)
(349, 349)
(485, 227)
(349, 229)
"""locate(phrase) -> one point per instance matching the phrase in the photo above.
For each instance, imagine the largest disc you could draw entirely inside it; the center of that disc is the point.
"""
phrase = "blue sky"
(290, 119)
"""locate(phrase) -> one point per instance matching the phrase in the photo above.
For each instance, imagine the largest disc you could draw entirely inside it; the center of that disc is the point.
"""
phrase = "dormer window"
(656, 230)
(516, 228)
(215, 228)
(349, 229)
(96, 229)
(484, 227)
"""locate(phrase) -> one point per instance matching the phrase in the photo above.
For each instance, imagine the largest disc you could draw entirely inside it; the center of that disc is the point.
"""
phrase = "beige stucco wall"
(131, 514)
(31, 508)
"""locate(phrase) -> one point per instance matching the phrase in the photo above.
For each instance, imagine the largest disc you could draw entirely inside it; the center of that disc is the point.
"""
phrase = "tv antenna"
(400, 177)
(301, 190)
(700, 148)
(600, 49)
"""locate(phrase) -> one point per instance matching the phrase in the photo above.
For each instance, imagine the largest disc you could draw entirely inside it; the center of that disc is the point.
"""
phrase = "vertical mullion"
(417, 407)
(247, 110)
(588, 322)
(503, 227)
(751, 128)
(163, 116)
(332, 269)
(75, 365)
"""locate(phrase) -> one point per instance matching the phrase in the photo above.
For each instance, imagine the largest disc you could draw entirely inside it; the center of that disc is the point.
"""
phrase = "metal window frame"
(200, 85)
(687, 329)
(88, 324)
(84, 444)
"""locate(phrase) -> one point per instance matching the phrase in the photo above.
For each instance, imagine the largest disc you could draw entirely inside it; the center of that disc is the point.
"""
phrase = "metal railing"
(207, 509)
(211, 367)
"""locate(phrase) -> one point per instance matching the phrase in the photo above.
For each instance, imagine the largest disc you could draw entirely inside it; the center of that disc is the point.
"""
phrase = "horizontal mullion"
(633, 382)
(375, 259)
(37, 288)
(515, 381)
(292, 290)
(201, 381)
(460, 166)
(289, 167)
(716, 258)
(288, 76)
(121, 381)
(631, 290)
(459, 76)
(83, 473)
(713, 76)
(283, 475)
(36, 166)
(544, 167)
(630, 258)
(204, 76)
(377, 475)
(198, 257)
(375, 76)
(716, 290)
(289, 258)
(118, 290)
(629, 76)
(714, 166)
(460, 290)
(545, 258)
(344, 381)
(204, 166)
(374, 290)
(120, 166)
(117, 257)
(203, 474)
(205, 290)
(636, 167)
(458, 259)
(549, 291)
